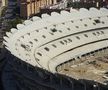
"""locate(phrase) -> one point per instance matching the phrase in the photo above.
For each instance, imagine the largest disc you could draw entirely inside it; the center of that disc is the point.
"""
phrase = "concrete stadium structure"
(74, 44)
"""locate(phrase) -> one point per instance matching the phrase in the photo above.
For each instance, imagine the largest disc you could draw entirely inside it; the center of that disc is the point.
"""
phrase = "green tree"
(14, 22)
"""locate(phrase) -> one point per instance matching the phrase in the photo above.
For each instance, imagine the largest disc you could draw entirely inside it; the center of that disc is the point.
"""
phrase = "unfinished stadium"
(71, 44)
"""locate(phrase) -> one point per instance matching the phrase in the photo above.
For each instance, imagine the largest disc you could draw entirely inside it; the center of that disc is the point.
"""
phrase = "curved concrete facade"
(53, 39)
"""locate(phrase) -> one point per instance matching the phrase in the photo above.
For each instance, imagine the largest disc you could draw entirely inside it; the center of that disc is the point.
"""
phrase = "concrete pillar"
(72, 86)
(38, 6)
(46, 2)
(54, 1)
(50, 2)
(85, 87)
(61, 83)
(97, 4)
(95, 87)
(35, 6)
(3, 2)
(43, 3)
(28, 10)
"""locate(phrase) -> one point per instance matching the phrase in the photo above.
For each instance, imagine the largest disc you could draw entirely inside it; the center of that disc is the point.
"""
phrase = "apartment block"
(30, 7)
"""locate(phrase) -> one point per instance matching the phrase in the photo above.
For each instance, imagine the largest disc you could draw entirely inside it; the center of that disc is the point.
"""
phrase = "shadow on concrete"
(19, 75)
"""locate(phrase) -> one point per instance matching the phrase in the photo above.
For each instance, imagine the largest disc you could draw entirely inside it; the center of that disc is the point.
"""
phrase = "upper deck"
(53, 39)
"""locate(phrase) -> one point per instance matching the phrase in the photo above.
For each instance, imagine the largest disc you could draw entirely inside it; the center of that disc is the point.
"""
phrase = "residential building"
(4, 2)
(29, 8)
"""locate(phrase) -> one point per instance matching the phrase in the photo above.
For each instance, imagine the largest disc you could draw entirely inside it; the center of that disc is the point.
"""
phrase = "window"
(31, 42)
(52, 33)
(78, 37)
(94, 34)
(27, 54)
(77, 26)
(98, 32)
(94, 23)
(85, 25)
(37, 59)
(60, 31)
(63, 23)
(23, 46)
(72, 21)
(47, 49)
(103, 22)
(39, 54)
(65, 41)
(45, 27)
(37, 30)
(97, 21)
(85, 35)
(43, 36)
(54, 45)
(68, 29)
(80, 19)
(28, 33)
(54, 30)
(69, 40)
(54, 25)
(62, 42)
(16, 44)
(35, 40)
(90, 18)
(102, 32)
(18, 40)
(22, 36)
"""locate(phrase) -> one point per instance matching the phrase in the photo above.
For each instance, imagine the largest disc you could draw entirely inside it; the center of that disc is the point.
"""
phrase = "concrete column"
(97, 4)
(50, 2)
(47, 2)
(72, 86)
(40, 3)
(36, 6)
(28, 10)
(95, 87)
(61, 83)
(32, 8)
(51, 80)
(54, 1)
(43, 3)
(3, 2)
(85, 87)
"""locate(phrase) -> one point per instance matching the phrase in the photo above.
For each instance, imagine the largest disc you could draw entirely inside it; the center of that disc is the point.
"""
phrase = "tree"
(14, 22)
